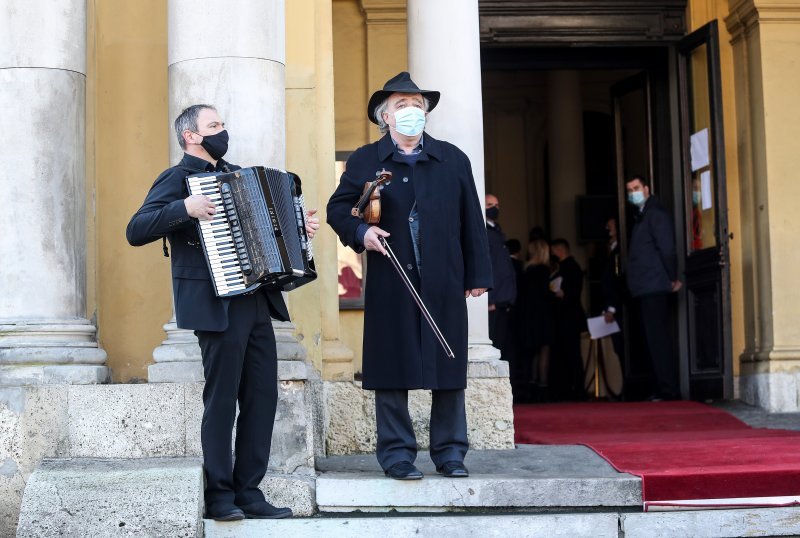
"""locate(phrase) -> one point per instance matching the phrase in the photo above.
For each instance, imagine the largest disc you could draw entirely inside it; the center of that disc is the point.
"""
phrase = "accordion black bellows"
(258, 236)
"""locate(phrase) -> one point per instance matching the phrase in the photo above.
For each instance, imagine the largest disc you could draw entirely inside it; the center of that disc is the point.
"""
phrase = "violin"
(368, 206)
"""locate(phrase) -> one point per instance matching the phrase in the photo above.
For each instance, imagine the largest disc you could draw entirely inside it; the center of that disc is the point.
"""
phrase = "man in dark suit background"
(652, 274)
(235, 334)
(504, 292)
(612, 286)
(570, 322)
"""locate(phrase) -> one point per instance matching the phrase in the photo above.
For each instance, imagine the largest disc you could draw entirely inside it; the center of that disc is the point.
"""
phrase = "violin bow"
(417, 299)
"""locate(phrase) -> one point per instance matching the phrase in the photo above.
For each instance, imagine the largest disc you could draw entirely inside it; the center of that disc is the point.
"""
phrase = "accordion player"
(258, 235)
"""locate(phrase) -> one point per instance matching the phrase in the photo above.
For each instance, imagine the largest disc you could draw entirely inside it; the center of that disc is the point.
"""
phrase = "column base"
(51, 352)
(57, 374)
(175, 372)
(337, 361)
(289, 348)
(777, 392)
(178, 358)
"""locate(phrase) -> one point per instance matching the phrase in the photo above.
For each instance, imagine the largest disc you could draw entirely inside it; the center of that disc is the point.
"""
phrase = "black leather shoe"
(224, 512)
(403, 470)
(264, 510)
(453, 469)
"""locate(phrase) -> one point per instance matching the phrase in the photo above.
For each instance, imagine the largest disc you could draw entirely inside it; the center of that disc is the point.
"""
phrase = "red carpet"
(682, 450)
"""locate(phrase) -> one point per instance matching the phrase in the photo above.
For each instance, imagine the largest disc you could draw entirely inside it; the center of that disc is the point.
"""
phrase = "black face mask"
(492, 213)
(216, 145)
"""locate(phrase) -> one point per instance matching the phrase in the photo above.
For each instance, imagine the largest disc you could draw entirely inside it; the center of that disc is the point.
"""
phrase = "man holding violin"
(431, 218)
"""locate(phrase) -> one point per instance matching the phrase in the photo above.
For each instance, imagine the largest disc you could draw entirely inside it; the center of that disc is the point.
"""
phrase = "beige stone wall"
(127, 134)
(310, 154)
(766, 43)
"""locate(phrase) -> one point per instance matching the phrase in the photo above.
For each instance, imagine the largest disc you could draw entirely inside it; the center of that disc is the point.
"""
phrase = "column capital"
(384, 11)
(744, 14)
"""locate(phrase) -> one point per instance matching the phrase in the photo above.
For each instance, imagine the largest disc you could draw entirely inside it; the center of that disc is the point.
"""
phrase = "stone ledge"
(529, 526)
(53, 374)
(346, 492)
(192, 371)
(81, 497)
(350, 415)
(713, 523)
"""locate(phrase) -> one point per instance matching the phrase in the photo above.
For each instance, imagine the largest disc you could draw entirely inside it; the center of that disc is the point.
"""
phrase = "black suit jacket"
(163, 214)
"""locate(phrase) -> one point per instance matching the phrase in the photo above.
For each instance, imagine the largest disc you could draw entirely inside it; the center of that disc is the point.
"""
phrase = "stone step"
(147, 496)
(505, 526)
(540, 478)
(697, 524)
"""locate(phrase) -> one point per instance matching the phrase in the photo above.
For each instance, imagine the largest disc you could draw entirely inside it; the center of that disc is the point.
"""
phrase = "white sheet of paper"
(598, 328)
(705, 190)
(555, 284)
(699, 149)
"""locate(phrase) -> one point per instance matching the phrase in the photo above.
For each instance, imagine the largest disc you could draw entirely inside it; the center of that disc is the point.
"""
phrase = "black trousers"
(396, 439)
(240, 364)
(657, 328)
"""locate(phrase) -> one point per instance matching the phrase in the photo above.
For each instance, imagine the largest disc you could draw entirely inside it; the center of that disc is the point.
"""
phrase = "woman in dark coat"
(432, 219)
(539, 327)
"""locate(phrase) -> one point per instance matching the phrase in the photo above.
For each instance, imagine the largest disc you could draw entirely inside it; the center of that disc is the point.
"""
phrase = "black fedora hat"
(400, 83)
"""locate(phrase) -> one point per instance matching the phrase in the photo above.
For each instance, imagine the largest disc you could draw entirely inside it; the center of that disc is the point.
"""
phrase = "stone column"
(44, 334)
(459, 116)
(566, 156)
(766, 42)
(233, 59)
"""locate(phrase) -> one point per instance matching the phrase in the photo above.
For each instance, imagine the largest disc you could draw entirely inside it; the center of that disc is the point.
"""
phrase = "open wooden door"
(707, 276)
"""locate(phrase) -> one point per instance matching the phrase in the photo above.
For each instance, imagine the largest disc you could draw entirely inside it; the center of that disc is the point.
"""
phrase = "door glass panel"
(700, 188)
(635, 134)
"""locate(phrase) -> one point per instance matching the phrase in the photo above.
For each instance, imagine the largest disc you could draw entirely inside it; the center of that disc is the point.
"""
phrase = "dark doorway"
(644, 126)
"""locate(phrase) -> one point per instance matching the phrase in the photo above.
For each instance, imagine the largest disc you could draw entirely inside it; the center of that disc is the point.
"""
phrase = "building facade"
(552, 101)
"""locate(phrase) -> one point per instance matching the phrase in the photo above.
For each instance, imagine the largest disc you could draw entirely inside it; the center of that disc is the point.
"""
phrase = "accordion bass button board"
(258, 235)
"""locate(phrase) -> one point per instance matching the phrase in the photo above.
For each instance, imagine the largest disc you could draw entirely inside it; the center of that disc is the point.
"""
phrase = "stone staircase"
(113, 460)
(547, 491)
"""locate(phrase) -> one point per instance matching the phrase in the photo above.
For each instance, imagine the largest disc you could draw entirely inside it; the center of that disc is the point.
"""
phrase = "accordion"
(258, 235)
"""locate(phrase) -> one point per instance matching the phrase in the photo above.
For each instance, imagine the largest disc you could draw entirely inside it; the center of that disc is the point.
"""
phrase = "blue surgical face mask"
(696, 197)
(409, 121)
(636, 198)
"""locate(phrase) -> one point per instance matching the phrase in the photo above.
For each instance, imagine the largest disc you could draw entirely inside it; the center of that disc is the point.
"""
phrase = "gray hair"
(187, 120)
(381, 108)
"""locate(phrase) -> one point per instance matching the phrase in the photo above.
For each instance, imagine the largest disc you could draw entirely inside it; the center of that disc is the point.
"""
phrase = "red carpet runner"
(682, 450)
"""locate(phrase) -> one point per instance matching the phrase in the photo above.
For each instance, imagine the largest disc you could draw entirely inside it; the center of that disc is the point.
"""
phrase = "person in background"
(613, 287)
(504, 292)
(538, 320)
(652, 275)
(570, 322)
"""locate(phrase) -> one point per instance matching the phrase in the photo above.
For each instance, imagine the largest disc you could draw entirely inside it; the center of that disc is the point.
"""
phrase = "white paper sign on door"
(705, 189)
(699, 149)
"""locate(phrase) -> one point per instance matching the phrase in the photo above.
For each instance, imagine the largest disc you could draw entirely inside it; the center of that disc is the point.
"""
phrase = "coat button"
(405, 180)
(409, 266)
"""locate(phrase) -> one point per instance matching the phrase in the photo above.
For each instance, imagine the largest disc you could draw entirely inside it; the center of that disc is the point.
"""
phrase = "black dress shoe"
(224, 512)
(264, 510)
(453, 469)
(403, 470)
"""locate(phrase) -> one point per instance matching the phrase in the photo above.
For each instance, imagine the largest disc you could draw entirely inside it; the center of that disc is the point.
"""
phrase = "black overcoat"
(400, 350)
